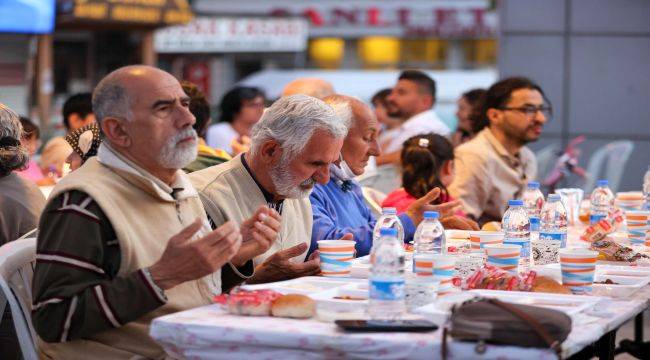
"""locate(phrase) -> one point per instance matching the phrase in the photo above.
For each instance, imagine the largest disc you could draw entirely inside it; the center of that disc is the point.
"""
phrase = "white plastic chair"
(17, 259)
(546, 158)
(608, 162)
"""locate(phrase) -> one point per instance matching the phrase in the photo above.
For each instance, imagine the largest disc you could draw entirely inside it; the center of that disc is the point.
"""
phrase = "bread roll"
(548, 285)
(294, 306)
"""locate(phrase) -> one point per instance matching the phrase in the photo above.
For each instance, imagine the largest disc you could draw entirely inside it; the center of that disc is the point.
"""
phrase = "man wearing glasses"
(496, 165)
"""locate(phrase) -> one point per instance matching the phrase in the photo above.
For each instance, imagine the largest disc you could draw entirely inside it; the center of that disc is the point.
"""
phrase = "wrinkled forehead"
(146, 89)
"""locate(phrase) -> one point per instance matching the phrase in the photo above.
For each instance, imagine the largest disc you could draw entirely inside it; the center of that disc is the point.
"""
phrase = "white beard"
(173, 156)
(283, 181)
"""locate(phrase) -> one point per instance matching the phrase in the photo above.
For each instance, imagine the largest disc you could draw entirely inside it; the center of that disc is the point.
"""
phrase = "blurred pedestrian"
(314, 87)
(389, 125)
(200, 108)
(412, 99)
(77, 112)
(240, 109)
(31, 140)
(468, 104)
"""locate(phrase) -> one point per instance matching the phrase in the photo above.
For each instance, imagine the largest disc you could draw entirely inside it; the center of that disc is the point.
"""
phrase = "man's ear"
(115, 131)
(271, 152)
(494, 116)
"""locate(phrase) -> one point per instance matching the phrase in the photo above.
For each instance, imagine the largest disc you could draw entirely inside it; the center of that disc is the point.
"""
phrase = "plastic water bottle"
(388, 219)
(429, 237)
(387, 288)
(602, 200)
(533, 200)
(554, 220)
(516, 226)
(646, 190)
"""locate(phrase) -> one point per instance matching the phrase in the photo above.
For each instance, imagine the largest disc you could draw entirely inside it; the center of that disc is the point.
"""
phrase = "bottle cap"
(515, 203)
(553, 197)
(387, 232)
(602, 182)
(431, 215)
(389, 211)
(533, 185)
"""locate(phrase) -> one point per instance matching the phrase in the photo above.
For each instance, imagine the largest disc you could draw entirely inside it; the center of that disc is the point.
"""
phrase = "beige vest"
(143, 222)
(229, 193)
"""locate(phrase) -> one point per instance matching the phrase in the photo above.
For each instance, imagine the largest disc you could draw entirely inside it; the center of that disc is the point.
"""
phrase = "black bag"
(497, 322)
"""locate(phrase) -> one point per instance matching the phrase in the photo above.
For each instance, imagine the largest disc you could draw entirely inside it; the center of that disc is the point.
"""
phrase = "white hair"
(292, 120)
(12, 157)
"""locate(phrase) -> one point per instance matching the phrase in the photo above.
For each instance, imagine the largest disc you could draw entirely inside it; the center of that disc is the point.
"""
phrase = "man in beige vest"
(292, 147)
(124, 238)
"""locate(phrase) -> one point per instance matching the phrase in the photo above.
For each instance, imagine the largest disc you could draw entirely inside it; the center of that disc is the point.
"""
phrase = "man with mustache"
(292, 147)
(495, 166)
(339, 206)
(124, 239)
(412, 100)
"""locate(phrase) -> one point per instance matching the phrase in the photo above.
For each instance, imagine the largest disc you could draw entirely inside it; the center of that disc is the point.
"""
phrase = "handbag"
(493, 321)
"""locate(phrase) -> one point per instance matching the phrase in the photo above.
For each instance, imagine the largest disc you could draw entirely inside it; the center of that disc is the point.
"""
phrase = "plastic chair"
(546, 160)
(608, 162)
(17, 259)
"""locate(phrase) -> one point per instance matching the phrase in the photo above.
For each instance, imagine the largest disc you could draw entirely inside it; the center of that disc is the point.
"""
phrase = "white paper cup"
(336, 257)
(578, 268)
(504, 256)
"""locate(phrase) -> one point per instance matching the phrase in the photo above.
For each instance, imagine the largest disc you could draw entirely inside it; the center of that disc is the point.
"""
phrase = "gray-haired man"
(292, 147)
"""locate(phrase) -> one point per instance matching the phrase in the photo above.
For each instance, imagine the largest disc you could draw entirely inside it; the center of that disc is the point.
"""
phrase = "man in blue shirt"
(338, 207)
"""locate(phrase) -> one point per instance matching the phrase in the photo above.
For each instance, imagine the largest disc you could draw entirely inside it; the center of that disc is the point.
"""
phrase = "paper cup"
(336, 257)
(545, 251)
(479, 239)
(578, 267)
(444, 271)
(638, 226)
(504, 256)
(423, 265)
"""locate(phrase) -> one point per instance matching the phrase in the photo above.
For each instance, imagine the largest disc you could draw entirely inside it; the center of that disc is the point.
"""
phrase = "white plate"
(305, 285)
(330, 307)
(625, 286)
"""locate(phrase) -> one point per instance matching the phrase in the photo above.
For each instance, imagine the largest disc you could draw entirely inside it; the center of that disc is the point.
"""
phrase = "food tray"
(332, 305)
(307, 285)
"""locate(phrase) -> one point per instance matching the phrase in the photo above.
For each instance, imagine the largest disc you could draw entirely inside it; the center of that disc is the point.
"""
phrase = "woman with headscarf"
(84, 142)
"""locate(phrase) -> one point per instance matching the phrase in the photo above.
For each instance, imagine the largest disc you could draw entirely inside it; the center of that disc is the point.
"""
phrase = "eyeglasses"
(530, 111)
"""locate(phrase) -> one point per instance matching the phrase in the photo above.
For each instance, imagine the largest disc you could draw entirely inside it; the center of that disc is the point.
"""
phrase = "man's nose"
(322, 175)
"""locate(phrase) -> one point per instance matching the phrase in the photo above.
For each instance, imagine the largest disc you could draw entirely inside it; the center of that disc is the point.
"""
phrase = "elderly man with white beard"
(124, 238)
(292, 147)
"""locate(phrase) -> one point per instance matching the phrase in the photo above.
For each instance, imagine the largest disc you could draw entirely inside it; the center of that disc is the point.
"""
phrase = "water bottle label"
(524, 243)
(595, 218)
(556, 236)
(387, 289)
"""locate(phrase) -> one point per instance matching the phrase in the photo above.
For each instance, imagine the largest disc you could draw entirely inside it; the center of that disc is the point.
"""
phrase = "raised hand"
(258, 234)
(186, 258)
(280, 267)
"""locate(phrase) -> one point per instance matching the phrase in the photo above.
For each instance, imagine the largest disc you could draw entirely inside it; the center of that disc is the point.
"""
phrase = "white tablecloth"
(210, 333)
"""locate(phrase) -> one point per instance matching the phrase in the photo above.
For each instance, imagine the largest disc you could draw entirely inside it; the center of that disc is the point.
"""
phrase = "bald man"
(338, 207)
(125, 239)
(314, 87)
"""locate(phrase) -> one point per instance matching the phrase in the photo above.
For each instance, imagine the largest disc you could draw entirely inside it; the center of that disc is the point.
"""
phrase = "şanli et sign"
(355, 18)
(226, 34)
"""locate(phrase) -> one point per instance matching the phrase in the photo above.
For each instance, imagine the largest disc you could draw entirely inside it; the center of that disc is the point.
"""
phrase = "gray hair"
(11, 157)
(111, 99)
(292, 120)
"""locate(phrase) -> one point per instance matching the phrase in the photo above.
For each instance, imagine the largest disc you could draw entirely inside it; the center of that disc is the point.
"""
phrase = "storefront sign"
(358, 18)
(222, 34)
(140, 12)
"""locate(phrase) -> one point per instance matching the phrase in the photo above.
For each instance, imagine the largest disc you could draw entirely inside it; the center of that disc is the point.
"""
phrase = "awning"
(140, 13)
